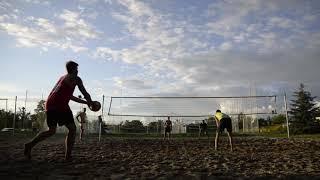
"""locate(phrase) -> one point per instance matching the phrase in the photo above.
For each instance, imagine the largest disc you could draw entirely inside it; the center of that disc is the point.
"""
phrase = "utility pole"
(24, 110)
(14, 116)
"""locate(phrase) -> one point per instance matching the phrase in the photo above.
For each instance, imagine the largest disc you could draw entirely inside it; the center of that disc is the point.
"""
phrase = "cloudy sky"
(167, 47)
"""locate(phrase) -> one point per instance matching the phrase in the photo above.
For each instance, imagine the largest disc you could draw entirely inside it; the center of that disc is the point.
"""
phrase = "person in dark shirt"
(203, 129)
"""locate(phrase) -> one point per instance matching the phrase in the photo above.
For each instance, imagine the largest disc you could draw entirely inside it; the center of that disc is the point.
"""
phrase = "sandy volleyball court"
(141, 158)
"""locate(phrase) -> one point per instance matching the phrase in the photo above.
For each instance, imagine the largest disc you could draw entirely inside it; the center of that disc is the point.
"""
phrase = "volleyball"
(95, 106)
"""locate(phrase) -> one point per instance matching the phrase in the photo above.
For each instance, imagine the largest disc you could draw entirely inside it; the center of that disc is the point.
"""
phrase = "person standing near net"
(223, 121)
(203, 129)
(58, 110)
(167, 128)
(83, 118)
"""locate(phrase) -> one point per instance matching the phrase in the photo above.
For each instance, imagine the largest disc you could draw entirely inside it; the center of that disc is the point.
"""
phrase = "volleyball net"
(190, 106)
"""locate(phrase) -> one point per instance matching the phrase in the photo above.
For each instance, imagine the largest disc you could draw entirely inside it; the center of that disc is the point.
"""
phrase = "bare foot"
(27, 151)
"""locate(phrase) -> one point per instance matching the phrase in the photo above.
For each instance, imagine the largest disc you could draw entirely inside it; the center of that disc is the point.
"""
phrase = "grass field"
(137, 156)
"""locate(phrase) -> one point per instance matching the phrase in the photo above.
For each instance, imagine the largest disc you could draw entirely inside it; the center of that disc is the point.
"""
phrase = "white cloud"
(228, 16)
(106, 53)
(188, 57)
(132, 86)
(25, 43)
(137, 8)
(5, 5)
(46, 25)
(42, 2)
(280, 22)
(225, 46)
(108, 1)
(75, 26)
(230, 45)
(45, 33)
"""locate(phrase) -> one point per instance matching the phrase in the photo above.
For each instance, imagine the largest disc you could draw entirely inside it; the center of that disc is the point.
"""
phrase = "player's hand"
(89, 103)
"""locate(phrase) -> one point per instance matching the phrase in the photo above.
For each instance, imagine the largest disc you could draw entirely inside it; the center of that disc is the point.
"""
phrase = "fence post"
(14, 116)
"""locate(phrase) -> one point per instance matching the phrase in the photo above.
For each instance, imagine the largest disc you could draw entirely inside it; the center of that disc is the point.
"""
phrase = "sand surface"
(138, 158)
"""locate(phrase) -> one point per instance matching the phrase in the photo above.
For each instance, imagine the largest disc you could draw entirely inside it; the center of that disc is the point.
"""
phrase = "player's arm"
(78, 100)
(217, 121)
(77, 117)
(84, 91)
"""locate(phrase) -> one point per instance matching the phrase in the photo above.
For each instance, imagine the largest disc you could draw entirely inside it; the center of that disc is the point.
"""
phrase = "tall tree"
(40, 114)
(303, 112)
(6, 118)
(133, 126)
(278, 119)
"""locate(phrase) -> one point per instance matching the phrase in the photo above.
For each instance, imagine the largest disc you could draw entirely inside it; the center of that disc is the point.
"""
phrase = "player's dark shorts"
(225, 123)
(60, 118)
(167, 130)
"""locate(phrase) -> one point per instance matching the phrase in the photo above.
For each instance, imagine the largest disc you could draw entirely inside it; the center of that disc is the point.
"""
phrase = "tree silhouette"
(303, 112)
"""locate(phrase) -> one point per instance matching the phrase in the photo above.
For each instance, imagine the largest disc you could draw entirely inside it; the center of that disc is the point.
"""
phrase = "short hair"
(218, 111)
(71, 65)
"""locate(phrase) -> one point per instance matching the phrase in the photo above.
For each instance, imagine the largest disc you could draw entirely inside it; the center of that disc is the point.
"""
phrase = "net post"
(286, 111)
(110, 105)
(100, 122)
(275, 104)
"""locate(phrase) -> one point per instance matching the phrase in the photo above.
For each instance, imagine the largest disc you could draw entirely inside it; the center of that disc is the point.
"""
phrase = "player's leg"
(52, 124)
(39, 137)
(230, 140)
(229, 131)
(216, 140)
(67, 120)
(220, 128)
(81, 132)
(83, 129)
(70, 139)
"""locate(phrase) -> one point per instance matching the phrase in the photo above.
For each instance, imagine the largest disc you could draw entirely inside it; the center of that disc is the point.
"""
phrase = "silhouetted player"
(223, 121)
(83, 118)
(203, 129)
(58, 110)
(167, 128)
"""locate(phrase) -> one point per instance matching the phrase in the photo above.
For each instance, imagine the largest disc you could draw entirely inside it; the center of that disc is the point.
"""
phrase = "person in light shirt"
(223, 121)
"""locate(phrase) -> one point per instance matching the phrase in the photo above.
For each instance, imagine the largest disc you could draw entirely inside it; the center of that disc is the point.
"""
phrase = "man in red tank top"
(58, 110)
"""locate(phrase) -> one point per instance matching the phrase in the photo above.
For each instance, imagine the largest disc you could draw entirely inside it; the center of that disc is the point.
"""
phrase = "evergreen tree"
(303, 112)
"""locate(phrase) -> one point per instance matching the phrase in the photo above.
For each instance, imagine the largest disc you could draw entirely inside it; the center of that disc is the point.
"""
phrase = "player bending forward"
(223, 121)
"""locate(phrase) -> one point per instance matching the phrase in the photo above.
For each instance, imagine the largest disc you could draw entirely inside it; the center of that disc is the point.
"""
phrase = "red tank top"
(60, 96)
